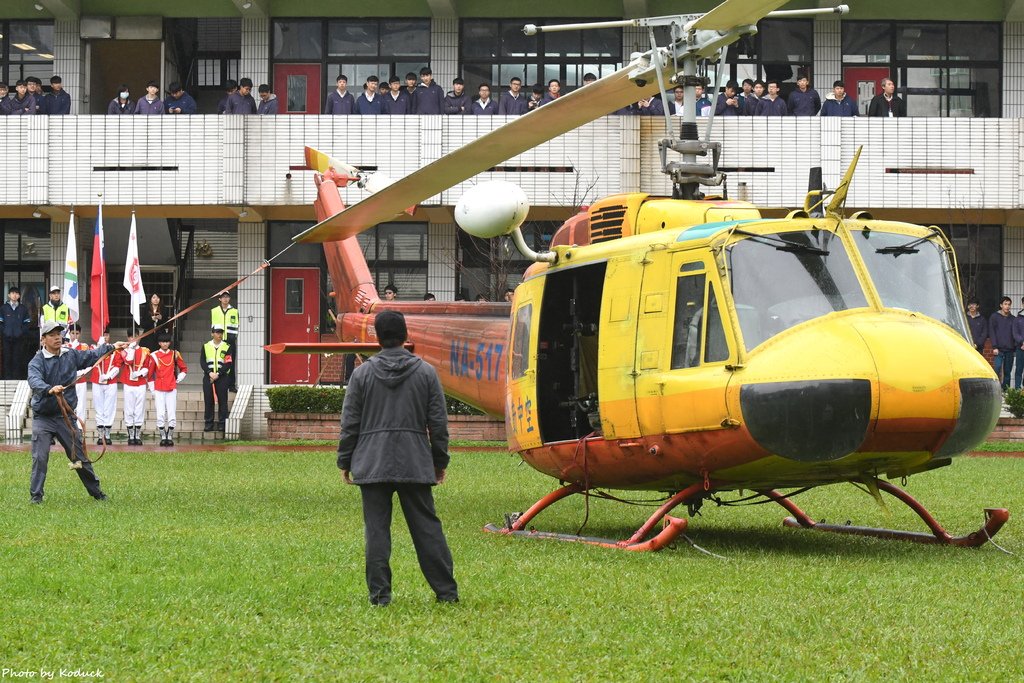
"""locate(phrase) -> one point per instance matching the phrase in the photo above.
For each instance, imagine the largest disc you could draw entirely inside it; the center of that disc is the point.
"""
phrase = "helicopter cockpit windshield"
(913, 275)
(784, 279)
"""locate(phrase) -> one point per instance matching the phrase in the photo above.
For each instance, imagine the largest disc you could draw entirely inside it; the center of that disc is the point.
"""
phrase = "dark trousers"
(1003, 365)
(435, 559)
(220, 388)
(44, 427)
(14, 358)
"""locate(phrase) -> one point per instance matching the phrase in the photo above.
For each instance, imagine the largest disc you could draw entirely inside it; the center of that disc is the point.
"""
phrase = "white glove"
(110, 375)
(181, 377)
(152, 386)
(82, 372)
(139, 374)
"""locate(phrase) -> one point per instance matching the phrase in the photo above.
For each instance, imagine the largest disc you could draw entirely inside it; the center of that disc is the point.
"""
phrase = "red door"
(863, 83)
(297, 86)
(294, 317)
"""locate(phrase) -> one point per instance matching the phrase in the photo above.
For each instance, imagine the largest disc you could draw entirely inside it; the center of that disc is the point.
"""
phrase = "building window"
(781, 50)
(358, 48)
(26, 49)
(940, 69)
(489, 267)
(495, 50)
(979, 258)
(26, 261)
(397, 255)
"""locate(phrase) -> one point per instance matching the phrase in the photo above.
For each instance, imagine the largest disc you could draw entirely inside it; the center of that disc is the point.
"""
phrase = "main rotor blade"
(526, 132)
(733, 13)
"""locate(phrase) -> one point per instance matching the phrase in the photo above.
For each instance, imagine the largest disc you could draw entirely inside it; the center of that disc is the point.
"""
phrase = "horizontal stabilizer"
(324, 348)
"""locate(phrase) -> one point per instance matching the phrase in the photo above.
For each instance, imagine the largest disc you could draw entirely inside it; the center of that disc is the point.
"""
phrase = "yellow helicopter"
(688, 345)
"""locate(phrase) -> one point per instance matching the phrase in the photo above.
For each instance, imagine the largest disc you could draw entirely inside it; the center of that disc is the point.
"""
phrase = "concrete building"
(216, 195)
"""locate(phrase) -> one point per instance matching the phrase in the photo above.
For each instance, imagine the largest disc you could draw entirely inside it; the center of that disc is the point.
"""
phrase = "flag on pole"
(98, 281)
(133, 274)
(71, 272)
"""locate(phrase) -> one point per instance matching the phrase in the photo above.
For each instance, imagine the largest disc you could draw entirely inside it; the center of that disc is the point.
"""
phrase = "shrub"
(457, 407)
(1015, 402)
(330, 399)
(306, 399)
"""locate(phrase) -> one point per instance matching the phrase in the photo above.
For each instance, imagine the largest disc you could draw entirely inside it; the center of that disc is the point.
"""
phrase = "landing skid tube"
(995, 518)
(674, 526)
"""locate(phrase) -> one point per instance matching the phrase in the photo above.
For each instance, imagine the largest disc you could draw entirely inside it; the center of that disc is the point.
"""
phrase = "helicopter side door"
(617, 352)
(683, 346)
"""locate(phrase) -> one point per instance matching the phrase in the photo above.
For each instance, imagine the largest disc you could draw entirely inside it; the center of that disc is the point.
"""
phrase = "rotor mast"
(693, 39)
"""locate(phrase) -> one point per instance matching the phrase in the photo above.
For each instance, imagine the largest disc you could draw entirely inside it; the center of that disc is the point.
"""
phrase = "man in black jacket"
(888, 103)
(394, 438)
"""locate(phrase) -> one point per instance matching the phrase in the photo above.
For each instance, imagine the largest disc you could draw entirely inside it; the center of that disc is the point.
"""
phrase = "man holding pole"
(50, 372)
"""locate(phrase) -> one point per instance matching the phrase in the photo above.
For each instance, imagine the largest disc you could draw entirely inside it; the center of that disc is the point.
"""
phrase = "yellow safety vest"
(216, 357)
(61, 314)
(227, 319)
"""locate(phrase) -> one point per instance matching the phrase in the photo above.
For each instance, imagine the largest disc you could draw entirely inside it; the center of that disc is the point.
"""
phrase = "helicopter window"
(914, 275)
(686, 341)
(782, 280)
(716, 349)
(694, 295)
(521, 341)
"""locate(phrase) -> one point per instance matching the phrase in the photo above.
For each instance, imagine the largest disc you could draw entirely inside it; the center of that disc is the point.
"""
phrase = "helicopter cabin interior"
(567, 350)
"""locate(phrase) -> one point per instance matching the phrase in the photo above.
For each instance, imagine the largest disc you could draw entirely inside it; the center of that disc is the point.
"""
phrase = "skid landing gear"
(515, 525)
(673, 528)
(995, 518)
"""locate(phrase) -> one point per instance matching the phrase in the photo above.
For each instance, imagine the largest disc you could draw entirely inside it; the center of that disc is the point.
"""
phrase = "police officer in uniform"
(55, 311)
(216, 359)
(226, 316)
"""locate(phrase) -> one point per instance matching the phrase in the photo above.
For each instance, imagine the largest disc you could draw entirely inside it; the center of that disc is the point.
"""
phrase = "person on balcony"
(268, 105)
(150, 103)
(483, 105)
(340, 102)
(121, 104)
(179, 101)
(370, 103)
(457, 100)
(841, 104)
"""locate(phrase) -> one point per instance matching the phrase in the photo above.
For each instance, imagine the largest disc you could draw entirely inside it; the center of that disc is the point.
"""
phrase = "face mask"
(124, 94)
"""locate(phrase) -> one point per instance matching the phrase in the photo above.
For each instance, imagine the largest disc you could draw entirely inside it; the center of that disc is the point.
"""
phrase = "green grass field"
(249, 567)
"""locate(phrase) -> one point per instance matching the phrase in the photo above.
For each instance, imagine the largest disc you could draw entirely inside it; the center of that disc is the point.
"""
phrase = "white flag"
(133, 274)
(71, 272)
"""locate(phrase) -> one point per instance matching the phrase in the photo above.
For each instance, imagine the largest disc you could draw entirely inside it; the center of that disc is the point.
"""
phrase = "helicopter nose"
(808, 420)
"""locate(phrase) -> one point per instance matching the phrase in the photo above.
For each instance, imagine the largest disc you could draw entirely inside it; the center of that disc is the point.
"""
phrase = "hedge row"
(306, 399)
(321, 399)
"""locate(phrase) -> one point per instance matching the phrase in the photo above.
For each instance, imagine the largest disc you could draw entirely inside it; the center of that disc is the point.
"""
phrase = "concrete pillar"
(444, 50)
(255, 62)
(250, 360)
(68, 60)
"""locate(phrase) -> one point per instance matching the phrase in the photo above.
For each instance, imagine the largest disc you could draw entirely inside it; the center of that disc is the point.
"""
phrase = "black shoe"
(208, 427)
(163, 442)
(100, 498)
(220, 427)
(170, 442)
(448, 600)
(36, 501)
(233, 390)
(99, 441)
(108, 441)
(380, 603)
